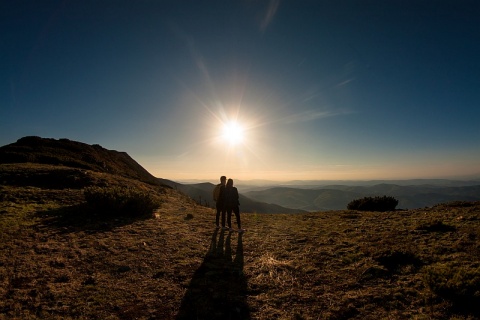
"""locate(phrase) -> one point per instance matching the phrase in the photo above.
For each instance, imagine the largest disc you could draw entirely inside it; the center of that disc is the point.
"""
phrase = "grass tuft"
(437, 226)
(458, 284)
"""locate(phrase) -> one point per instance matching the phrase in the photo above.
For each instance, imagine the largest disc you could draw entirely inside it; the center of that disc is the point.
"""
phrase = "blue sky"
(348, 90)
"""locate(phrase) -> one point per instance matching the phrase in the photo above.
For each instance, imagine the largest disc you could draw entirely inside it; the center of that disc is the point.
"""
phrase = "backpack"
(216, 192)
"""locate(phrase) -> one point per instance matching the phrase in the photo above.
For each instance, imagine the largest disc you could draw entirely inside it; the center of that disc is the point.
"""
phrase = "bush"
(385, 203)
(120, 201)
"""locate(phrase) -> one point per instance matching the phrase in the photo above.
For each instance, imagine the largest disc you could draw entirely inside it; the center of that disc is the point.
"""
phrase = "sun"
(233, 133)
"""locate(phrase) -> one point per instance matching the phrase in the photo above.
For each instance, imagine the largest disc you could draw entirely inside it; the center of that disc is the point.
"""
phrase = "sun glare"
(232, 133)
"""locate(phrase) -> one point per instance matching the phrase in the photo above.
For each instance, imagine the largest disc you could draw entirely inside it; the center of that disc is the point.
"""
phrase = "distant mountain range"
(203, 193)
(336, 197)
(250, 185)
(306, 197)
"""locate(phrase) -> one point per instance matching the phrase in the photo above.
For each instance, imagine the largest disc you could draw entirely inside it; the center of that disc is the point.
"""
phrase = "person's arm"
(222, 192)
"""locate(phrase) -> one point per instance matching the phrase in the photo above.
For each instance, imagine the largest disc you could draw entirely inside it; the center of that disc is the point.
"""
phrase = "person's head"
(223, 179)
(230, 183)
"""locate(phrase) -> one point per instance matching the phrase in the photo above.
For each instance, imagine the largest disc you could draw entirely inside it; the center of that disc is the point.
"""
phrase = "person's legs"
(223, 217)
(236, 210)
(217, 218)
(229, 217)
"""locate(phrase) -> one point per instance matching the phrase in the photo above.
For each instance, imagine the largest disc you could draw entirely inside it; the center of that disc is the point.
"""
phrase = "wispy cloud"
(269, 14)
(311, 115)
(345, 82)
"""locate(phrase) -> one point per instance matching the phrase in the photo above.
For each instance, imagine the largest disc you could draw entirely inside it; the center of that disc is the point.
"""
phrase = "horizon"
(474, 178)
(271, 90)
(465, 178)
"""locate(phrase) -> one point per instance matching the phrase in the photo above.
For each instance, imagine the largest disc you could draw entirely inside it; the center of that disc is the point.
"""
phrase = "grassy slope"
(73, 154)
(330, 265)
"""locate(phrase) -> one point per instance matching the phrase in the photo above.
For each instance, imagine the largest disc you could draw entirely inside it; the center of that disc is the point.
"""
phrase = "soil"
(58, 262)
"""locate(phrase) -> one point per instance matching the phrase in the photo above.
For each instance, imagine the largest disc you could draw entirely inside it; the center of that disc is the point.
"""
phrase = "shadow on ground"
(218, 287)
(83, 218)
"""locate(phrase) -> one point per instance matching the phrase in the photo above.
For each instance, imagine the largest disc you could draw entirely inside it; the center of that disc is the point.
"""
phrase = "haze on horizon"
(275, 90)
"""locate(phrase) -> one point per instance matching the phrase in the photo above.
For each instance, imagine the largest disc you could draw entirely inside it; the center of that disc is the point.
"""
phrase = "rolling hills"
(336, 197)
(202, 193)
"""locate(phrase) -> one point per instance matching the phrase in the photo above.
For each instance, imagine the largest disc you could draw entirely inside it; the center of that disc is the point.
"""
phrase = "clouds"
(269, 14)
(311, 115)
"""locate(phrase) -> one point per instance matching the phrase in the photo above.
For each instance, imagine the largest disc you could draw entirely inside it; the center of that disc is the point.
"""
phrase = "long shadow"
(218, 288)
(82, 218)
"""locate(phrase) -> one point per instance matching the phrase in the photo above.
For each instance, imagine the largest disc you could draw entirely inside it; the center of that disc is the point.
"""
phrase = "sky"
(307, 90)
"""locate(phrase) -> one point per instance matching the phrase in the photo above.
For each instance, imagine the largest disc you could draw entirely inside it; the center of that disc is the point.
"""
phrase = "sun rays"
(243, 126)
(232, 133)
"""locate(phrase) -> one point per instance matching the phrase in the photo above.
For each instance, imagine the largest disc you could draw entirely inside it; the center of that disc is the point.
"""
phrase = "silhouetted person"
(232, 205)
(219, 197)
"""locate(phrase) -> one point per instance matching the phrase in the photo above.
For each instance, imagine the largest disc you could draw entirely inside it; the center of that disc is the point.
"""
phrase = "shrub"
(120, 200)
(385, 203)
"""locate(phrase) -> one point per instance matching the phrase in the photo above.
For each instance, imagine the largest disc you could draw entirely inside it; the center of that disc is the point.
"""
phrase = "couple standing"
(226, 198)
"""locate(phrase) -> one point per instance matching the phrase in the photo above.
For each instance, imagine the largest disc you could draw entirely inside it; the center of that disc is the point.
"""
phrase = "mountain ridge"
(74, 154)
(65, 163)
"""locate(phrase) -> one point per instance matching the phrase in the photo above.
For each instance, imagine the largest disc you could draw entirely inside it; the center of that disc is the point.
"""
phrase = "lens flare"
(233, 133)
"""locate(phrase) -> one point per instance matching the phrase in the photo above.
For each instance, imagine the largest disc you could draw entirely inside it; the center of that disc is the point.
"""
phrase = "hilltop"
(64, 163)
(72, 154)
(62, 261)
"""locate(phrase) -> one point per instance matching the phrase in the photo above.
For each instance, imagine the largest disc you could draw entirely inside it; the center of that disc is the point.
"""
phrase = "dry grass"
(59, 263)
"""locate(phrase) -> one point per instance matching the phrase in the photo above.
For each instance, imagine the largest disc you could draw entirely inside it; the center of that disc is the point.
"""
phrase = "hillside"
(336, 197)
(73, 154)
(60, 262)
